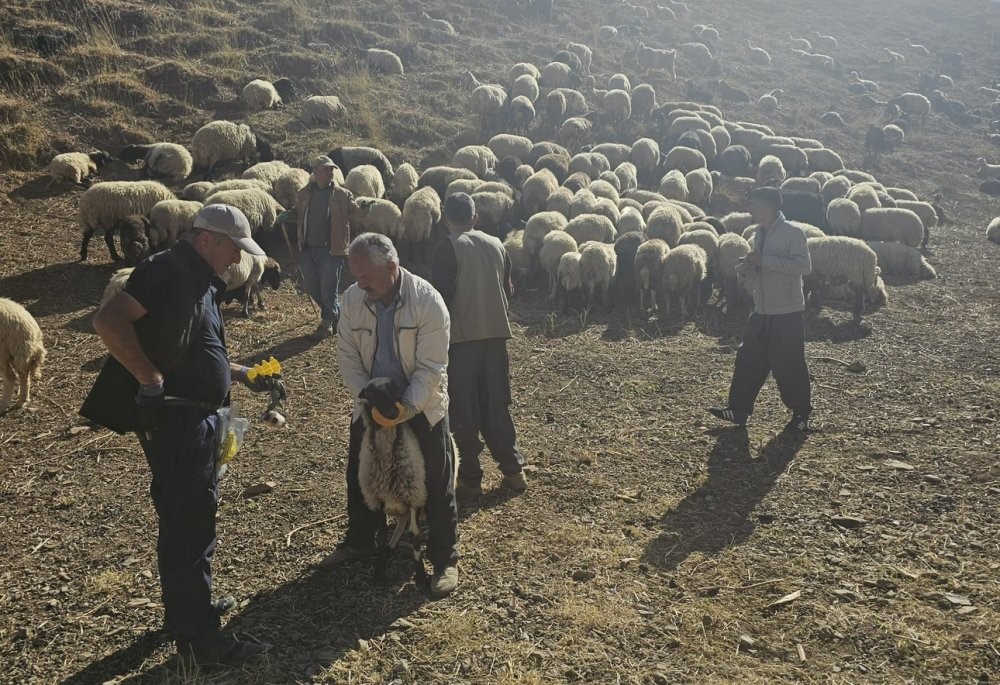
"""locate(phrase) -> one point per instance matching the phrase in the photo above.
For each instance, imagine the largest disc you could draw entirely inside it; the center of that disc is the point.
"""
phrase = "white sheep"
(554, 245)
(654, 58)
(673, 185)
(522, 69)
(770, 171)
(536, 190)
(260, 94)
(404, 183)
(583, 202)
(365, 181)
(926, 212)
(733, 249)
(268, 172)
(591, 227)
(287, 186)
(843, 216)
(699, 184)
(22, 353)
(570, 279)
(666, 223)
(384, 60)
(103, 205)
(525, 85)
(590, 163)
(197, 191)
(598, 263)
(617, 105)
(840, 260)
(243, 279)
(585, 54)
(560, 200)
(161, 160)
(441, 177)
(627, 174)
(823, 159)
(575, 132)
(897, 259)
(520, 264)
(607, 208)
(697, 53)
(76, 167)
(558, 75)
(488, 101)
(684, 271)
(507, 145)
(537, 228)
(479, 159)
(259, 207)
(421, 211)
(892, 224)
(322, 110)
(913, 104)
(219, 142)
(347, 158)
(380, 216)
(115, 284)
(801, 184)
(684, 159)
(169, 220)
(236, 184)
(993, 231)
(709, 242)
(645, 155)
(619, 82)
(737, 222)
(649, 272)
(605, 189)
(792, 157)
(495, 210)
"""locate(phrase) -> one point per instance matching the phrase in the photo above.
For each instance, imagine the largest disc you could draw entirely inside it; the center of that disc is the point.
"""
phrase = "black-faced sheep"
(244, 279)
(77, 167)
(22, 353)
(220, 142)
(347, 158)
(103, 205)
(624, 289)
(648, 270)
(839, 260)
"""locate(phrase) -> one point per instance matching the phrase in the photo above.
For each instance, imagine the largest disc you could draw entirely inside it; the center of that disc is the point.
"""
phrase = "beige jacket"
(342, 209)
(422, 327)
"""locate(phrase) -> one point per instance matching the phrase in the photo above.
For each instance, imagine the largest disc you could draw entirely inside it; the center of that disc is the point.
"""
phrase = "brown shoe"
(517, 482)
(345, 554)
(467, 491)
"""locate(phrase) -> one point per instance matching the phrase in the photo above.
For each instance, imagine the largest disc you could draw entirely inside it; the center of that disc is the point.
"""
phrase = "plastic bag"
(231, 430)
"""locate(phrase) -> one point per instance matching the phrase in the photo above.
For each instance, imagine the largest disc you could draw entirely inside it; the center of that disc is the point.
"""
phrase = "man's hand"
(404, 414)
(149, 399)
(258, 384)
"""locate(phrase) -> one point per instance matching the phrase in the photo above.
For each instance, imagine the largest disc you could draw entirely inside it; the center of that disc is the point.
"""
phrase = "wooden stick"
(298, 268)
(293, 531)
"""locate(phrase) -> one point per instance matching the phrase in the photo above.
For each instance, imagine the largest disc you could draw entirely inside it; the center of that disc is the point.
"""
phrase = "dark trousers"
(441, 509)
(321, 273)
(479, 403)
(772, 344)
(181, 455)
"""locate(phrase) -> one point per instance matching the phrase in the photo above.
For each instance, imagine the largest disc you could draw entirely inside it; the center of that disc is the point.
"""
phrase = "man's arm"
(433, 330)
(349, 360)
(797, 263)
(508, 275)
(114, 323)
(444, 269)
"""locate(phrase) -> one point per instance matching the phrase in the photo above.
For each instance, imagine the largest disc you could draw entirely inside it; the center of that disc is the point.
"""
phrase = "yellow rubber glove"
(404, 415)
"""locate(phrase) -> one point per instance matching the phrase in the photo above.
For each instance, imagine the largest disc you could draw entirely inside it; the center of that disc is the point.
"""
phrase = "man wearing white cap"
(167, 376)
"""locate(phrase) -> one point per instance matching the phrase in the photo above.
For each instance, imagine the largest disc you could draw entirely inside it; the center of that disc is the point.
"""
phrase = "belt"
(185, 402)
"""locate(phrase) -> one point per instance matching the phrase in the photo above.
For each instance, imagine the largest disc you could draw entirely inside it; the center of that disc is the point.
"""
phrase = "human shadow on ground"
(718, 514)
(59, 288)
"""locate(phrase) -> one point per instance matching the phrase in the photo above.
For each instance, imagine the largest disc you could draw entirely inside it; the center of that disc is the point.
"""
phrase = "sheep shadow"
(824, 329)
(59, 288)
(284, 350)
(42, 188)
(717, 514)
(309, 623)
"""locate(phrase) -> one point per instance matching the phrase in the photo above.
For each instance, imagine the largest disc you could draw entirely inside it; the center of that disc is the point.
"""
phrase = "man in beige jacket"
(324, 211)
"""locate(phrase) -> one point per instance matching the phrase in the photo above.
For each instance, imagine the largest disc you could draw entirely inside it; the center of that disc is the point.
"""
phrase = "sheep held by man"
(169, 220)
(685, 269)
(221, 142)
(897, 259)
(77, 167)
(892, 224)
(244, 279)
(844, 261)
(103, 205)
(22, 353)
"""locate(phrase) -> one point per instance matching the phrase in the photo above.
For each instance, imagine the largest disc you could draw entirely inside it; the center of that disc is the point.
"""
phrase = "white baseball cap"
(231, 222)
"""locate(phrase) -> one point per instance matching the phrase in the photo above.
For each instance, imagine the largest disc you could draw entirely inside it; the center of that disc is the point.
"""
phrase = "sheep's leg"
(109, 240)
(8, 386)
(398, 533)
(24, 394)
(247, 300)
(84, 242)
(420, 573)
(859, 304)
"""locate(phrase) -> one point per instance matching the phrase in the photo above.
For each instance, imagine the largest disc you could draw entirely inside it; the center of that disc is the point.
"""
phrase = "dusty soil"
(652, 545)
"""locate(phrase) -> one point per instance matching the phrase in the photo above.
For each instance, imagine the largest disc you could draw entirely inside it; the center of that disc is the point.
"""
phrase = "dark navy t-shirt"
(183, 331)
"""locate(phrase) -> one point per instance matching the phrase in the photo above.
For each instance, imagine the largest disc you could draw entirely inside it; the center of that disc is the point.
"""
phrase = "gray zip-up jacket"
(422, 326)
(784, 261)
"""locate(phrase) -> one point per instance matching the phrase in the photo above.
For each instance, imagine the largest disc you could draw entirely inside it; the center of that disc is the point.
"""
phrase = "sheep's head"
(381, 394)
(286, 89)
(272, 274)
(134, 232)
(131, 153)
(876, 293)
(100, 158)
(265, 153)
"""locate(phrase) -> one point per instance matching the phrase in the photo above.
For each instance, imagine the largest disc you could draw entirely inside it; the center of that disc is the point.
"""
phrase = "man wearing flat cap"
(168, 375)
(472, 271)
(324, 211)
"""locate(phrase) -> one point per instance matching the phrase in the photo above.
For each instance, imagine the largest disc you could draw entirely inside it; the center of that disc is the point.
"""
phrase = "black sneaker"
(800, 423)
(731, 415)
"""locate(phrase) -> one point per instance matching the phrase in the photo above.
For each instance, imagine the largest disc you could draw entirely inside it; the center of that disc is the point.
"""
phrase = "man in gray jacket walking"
(774, 338)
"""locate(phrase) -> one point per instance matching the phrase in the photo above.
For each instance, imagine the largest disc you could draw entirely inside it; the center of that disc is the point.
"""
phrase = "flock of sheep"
(599, 220)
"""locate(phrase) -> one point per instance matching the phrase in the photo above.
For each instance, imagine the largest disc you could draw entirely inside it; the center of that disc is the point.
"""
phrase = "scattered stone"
(401, 624)
(898, 465)
(747, 642)
(147, 574)
(138, 601)
(800, 650)
(957, 600)
(848, 521)
(965, 610)
(933, 479)
(258, 489)
(846, 595)
(582, 575)
(76, 430)
(787, 599)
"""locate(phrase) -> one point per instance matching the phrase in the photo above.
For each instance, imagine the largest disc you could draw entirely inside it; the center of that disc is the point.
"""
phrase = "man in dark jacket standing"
(168, 351)
(774, 338)
(472, 271)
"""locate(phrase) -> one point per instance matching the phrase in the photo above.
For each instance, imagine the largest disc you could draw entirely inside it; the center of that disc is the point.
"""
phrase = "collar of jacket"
(200, 270)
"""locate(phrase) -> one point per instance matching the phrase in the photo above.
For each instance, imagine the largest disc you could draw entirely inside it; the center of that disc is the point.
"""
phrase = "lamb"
(22, 353)
(197, 191)
(348, 158)
(555, 244)
(684, 270)
(666, 223)
(385, 61)
(259, 207)
(169, 220)
(495, 211)
(287, 186)
(260, 94)
(598, 262)
(421, 211)
(439, 178)
(268, 172)
(77, 167)
(993, 231)
(733, 249)
(243, 279)
(892, 224)
(673, 185)
(648, 267)
(839, 260)
(479, 159)
(770, 171)
(105, 204)
(653, 58)
(897, 259)
(161, 160)
(570, 279)
(591, 227)
(843, 216)
(322, 110)
(365, 181)
(220, 142)
(391, 471)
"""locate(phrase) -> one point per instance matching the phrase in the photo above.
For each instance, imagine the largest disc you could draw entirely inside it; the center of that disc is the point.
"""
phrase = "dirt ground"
(653, 546)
